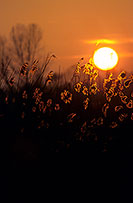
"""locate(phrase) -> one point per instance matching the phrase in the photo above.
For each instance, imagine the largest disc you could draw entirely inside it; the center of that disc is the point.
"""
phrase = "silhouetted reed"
(74, 115)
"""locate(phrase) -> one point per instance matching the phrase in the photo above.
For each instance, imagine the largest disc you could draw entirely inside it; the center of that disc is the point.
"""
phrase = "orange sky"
(73, 27)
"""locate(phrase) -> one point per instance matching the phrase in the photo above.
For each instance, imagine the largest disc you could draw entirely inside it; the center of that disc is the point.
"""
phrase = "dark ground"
(28, 160)
(31, 171)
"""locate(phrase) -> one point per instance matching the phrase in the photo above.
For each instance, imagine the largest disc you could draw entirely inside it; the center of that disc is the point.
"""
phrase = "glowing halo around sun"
(105, 58)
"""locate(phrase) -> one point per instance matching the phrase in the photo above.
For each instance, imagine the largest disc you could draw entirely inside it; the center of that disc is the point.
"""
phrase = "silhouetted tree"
(25, 43)
(4, 62)
(21, 56)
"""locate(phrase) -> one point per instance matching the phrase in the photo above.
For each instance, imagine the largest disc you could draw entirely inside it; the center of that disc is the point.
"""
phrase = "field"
(87, 114)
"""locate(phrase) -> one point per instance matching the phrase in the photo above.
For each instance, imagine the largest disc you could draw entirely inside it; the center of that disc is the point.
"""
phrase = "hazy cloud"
(109, 41)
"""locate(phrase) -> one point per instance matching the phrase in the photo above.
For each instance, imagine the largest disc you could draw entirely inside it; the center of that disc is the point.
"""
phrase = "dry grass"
(80, 114)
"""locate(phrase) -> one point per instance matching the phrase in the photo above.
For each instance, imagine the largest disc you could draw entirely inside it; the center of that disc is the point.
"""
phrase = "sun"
(105, 58)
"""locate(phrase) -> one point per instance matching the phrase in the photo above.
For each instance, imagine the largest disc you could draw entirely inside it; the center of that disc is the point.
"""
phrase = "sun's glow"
(105, 58)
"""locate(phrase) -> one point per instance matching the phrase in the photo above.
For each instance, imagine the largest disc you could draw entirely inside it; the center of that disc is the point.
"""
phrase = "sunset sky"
(72, 28)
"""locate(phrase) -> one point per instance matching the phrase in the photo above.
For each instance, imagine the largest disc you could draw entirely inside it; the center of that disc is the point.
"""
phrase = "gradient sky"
(72, 28)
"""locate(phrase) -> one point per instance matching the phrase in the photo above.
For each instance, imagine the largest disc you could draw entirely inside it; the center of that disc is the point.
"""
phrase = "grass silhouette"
(44, 115)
